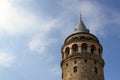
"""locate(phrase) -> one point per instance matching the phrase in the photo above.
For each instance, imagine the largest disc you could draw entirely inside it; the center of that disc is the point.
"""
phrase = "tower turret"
(82, 56)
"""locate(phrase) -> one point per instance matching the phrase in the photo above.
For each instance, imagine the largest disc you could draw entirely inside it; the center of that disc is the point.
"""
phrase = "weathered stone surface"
(82, 58)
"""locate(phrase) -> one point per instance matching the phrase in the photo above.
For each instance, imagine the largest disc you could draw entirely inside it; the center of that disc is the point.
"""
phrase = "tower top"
(80, 16)
(81, 27)
(82, 49)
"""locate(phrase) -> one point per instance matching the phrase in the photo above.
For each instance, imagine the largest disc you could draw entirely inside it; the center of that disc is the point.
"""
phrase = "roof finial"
(80, 16)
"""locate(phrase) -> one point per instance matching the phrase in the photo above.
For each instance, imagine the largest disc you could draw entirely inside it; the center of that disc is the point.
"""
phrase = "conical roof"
(81, 27)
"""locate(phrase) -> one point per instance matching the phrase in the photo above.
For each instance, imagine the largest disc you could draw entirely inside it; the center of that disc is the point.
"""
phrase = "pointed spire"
(81, 27)
(80, 16)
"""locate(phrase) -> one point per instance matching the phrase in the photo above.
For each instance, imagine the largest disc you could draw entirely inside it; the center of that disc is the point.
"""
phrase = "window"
(93, 49)
(75, 61)
(66, 64)
(95, 69)
(85, 60)
(67, 51)
(75, 69)
(75, 48)
(84, 48)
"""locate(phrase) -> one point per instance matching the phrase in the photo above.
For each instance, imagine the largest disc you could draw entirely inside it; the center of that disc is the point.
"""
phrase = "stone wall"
(79, 65)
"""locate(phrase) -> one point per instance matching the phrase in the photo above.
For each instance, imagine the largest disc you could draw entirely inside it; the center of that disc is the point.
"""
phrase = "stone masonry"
(82, 56)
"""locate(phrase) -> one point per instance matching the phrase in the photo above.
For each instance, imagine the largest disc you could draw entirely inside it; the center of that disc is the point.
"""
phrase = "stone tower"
(82, 56)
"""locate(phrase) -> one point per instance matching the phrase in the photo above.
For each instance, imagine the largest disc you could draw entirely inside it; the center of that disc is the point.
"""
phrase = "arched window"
(75, 48)
(75, 69)
(93, 49)
(95, 69)
(84, 47)
(67, 51)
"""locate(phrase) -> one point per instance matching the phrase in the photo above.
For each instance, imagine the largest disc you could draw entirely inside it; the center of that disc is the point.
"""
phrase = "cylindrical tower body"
(82, 57)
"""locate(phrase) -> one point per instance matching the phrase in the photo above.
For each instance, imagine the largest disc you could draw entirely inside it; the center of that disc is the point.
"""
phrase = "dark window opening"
(75, 48)
(95, 70)
(93, 48)
(75, 69)
(85, 60)
(67, 64)
(67, 51)
(84, 48)
(75, 61)
(92, 51)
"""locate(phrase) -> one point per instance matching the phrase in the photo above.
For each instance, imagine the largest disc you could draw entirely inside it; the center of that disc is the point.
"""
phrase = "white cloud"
(41, 43)
(6, 60)
(14, 21)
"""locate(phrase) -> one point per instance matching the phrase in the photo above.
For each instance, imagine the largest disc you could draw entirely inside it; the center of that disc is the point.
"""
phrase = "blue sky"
(33, 31)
